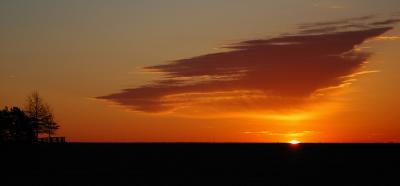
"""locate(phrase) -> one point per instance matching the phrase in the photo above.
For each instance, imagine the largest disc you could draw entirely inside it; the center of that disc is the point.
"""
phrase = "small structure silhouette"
(52, 140)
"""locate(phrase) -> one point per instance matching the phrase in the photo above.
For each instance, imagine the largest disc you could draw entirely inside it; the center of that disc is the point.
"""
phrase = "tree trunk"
(49, 134)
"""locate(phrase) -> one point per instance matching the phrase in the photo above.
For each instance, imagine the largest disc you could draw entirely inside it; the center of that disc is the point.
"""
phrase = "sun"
(294, 142)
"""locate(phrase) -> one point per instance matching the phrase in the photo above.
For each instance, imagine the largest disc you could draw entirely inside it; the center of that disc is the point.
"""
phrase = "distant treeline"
(17, 125)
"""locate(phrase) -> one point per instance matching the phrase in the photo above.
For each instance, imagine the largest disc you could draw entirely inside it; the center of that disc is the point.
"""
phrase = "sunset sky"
(207, 71)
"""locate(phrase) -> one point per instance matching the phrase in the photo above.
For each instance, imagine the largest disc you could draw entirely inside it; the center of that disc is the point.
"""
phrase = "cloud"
(290, 133)
(355, 20)
(276, 74)
(328, 5)
(386, 22)
(388, 38)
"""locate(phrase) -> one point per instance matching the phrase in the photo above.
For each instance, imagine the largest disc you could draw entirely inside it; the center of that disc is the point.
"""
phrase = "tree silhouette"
(15, 126)
(19, 126)
(5, 125)
(49, 126)
(22, 129)
(41, 115)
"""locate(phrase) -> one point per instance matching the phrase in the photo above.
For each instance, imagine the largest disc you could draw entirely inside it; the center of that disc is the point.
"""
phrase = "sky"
(207, 71)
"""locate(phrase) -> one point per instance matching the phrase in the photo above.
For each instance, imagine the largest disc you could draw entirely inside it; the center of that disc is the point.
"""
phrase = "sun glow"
(284, 116)
(294, 142)
(291, 117)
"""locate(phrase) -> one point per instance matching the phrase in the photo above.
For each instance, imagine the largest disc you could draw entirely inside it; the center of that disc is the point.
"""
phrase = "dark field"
(200, 164)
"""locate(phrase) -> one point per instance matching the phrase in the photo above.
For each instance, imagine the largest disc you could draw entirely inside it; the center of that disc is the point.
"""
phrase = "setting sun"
(294, 142)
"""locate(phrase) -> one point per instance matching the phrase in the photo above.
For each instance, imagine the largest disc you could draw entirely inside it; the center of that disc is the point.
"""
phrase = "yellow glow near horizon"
(289, 117)
(294, 142)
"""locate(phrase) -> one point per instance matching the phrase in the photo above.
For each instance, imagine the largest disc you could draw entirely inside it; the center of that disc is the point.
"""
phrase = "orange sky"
(244, 72)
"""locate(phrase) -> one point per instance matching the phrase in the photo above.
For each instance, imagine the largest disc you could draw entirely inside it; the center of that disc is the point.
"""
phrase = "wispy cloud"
(390, 38)
(289, 133)
(327, 5)
(386, 22)
(336, 7)
(259, 75)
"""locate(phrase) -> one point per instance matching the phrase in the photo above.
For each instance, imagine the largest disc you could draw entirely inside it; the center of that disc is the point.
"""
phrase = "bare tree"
(49, 125)
(41, 115)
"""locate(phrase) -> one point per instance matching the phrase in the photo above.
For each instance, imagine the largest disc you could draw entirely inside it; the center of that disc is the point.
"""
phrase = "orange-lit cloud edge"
(285, 78)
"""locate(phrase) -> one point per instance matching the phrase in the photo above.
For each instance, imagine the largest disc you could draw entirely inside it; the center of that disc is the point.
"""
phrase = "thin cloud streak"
(280, 73)
(271, 133)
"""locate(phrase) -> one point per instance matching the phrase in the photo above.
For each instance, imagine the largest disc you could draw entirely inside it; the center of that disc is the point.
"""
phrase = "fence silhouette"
(52, 140)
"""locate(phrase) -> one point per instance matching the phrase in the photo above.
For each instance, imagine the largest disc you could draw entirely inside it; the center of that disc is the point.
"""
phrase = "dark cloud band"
(265, 74)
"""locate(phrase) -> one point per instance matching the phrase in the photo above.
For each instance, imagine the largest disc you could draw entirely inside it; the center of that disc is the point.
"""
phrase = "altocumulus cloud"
(281, 73)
